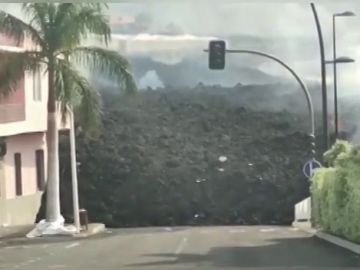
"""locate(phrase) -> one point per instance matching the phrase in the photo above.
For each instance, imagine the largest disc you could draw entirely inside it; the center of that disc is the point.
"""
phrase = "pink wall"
(25, 144)
(8, 41)
(16, 97)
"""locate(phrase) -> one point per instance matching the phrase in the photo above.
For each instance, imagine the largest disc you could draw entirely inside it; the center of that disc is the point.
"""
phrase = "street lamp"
(335, 62)
(340, 60)
(323, 79)
(345, 14)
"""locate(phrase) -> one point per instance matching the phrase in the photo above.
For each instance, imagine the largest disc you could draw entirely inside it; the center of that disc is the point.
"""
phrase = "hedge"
(336, 192)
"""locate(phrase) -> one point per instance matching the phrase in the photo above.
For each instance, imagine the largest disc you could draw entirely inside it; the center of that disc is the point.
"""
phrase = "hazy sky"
(288, 28)
(288, 24)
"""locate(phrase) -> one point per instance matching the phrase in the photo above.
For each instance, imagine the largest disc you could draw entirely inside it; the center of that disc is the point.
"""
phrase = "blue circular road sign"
(310, 166)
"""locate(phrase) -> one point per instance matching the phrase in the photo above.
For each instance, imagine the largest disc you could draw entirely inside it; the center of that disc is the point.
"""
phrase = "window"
(18, 176)
(40, 169)
(37, 85)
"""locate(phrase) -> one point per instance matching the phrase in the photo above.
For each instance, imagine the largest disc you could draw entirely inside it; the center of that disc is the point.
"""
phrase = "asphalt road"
(253, 248)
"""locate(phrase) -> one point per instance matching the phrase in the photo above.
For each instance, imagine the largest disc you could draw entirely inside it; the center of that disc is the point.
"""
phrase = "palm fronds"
(108, 63)
(13, 66)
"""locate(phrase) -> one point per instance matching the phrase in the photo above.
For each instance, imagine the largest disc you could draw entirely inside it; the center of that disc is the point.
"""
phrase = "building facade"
(23, 125)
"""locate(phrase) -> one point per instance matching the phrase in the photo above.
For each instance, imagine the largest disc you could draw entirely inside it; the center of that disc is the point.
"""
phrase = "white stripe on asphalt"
(181, 246)
(268, 230)
(57, 266)
(237, 231)
(73, 245)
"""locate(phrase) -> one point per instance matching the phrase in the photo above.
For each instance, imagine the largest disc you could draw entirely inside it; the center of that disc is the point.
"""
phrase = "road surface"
(203, 248)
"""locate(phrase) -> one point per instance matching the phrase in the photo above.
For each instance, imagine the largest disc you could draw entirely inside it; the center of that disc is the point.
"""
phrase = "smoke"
(168, 49)
(150, 80)
(286, 30)
(279, 28)
(12, 8)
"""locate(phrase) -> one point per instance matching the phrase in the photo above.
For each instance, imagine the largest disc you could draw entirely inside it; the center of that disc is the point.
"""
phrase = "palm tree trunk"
(53, 180)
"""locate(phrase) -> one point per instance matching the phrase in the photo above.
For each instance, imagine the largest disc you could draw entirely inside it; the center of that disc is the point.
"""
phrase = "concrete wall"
(20, 210)
(303, 210)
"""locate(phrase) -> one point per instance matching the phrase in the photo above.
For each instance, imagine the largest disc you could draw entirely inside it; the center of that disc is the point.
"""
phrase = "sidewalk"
(10, 232)
(14, 235)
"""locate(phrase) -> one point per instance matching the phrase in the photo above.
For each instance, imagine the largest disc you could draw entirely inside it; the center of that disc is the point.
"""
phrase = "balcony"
(12, 113)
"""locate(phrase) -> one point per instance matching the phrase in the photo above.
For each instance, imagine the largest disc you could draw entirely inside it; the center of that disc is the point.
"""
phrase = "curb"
(93, 230)
(306, 227)
(339, 241)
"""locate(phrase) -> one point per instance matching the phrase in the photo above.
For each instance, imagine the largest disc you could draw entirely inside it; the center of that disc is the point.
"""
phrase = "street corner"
(19, 238)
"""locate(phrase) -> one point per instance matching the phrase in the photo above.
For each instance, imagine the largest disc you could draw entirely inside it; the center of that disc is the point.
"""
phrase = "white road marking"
(10, 247)
(268, 230)
(25, 263)
(17, 247)
(73, 245)
(33, 260)
(168, 229)
(181, 245)
(57, 266)
(205, 231)
(237, 231)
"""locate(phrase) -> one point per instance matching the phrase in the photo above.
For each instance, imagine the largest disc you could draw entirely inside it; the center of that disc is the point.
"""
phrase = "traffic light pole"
(302, 85)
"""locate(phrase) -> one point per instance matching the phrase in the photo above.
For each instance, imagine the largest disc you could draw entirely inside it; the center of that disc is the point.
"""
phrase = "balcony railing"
(12, 113)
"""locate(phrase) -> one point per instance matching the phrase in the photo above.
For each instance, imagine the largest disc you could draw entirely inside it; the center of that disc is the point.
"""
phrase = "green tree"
(57, 32)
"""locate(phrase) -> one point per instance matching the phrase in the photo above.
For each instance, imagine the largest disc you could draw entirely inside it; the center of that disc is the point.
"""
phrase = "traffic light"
(217, 50)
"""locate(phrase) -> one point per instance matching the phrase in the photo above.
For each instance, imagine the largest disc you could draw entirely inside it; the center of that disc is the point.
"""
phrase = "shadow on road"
(289, 252)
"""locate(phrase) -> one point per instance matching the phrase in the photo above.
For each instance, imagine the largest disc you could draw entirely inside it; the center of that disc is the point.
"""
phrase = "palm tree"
(57, 31)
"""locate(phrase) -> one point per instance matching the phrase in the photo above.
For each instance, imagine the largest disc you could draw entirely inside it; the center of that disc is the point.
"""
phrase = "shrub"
(337, 150)
(336, 193)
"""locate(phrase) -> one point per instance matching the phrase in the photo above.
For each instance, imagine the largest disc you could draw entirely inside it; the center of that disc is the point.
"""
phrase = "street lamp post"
(334, 62)
(323, 79)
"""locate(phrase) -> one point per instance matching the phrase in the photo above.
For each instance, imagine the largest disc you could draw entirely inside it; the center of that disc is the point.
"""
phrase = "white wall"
(303, 210)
